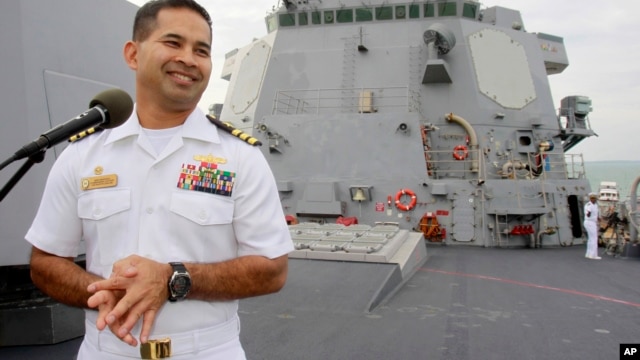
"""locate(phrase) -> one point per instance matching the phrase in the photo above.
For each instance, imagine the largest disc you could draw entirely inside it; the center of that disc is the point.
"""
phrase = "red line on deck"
(566, 291)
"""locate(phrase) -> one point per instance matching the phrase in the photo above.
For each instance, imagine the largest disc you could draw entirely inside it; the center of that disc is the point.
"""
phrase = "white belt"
(181, 343)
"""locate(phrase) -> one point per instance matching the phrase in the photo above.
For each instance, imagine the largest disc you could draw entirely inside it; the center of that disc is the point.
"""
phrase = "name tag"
(99, 182)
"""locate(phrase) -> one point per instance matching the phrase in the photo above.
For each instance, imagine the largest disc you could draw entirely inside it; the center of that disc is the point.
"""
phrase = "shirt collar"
(197, 126)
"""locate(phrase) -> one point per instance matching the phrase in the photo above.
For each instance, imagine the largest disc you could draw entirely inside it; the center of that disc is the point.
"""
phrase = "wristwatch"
(179, 282)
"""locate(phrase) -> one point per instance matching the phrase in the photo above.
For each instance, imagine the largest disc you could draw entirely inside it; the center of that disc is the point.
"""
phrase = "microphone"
(108, 109)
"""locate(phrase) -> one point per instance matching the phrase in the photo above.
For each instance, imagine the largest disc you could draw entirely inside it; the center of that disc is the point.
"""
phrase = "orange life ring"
(412, 202)
(291, 219)
(460, 152)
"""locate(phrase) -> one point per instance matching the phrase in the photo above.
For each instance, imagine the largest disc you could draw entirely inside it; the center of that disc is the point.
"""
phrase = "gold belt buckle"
(156, 349)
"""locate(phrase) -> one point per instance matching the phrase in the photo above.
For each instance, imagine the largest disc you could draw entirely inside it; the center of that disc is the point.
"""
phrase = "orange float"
(412, 203)
(460, 152)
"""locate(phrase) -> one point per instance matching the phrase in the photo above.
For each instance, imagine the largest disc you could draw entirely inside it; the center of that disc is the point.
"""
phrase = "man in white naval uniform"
(591, 225)
(179, 219)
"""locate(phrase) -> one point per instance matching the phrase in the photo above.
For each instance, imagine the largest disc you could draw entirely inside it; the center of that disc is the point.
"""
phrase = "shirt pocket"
(202, 227)
(105, 219)
(202, 209)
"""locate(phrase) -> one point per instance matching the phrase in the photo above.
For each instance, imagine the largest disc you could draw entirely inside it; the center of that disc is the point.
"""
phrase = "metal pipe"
(532, 241)
(539, 240)
(547, 231)
(507, 169)
(473, 138)
(482, 219)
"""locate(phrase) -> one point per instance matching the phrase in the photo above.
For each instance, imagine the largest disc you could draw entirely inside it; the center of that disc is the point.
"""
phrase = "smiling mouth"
(183, 77)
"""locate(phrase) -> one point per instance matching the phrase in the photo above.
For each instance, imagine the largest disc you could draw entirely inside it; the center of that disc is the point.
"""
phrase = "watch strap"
(178, 266)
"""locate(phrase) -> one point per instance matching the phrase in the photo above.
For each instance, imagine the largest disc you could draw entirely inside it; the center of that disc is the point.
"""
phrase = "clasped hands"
(136, 289)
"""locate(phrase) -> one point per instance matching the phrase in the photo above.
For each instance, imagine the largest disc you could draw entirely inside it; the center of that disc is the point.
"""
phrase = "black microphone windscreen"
(118, 104)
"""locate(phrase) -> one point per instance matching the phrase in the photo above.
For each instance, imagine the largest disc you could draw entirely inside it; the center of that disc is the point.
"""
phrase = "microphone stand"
(31, 160)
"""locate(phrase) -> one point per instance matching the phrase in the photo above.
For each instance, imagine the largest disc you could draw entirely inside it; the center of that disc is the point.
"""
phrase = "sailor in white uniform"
(591, 225)
(177, 219)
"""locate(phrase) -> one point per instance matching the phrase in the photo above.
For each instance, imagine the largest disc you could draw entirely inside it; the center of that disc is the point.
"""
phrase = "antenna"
(442, 38)
(289, 4)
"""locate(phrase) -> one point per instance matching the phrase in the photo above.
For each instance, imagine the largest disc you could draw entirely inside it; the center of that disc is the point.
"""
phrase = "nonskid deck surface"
(463, 303)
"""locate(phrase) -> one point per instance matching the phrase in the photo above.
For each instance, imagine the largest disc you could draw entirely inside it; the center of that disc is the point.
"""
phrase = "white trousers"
(229, 351)
(592, 238)
(220, 342)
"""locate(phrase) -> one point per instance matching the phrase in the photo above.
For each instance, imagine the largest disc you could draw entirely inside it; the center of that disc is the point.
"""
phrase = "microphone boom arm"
(32, 160)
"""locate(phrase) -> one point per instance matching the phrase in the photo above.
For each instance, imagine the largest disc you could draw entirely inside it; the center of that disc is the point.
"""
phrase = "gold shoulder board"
(233, 131)
(84, 134)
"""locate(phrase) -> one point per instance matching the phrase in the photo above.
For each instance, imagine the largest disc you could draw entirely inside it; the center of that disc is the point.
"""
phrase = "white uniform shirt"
(156, 210)
(592, 209)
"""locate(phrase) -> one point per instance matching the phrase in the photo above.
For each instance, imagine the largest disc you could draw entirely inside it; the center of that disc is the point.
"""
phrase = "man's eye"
(203, 52)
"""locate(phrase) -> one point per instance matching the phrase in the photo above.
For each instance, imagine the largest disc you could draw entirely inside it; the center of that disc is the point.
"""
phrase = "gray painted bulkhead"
(306, 107)
(57, 55)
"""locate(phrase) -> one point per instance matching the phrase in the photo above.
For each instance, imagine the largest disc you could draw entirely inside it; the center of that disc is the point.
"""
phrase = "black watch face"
(181, 285)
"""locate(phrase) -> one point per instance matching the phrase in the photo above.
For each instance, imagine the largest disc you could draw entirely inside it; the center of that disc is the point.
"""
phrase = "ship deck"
(462, 303)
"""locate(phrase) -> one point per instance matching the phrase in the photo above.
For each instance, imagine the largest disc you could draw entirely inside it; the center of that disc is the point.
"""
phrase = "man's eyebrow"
(181, 38)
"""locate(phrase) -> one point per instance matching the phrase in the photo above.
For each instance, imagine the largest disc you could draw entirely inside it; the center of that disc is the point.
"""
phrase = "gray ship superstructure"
(433, 116)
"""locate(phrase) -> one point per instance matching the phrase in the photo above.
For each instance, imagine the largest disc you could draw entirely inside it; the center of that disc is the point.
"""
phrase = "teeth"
(182, 77)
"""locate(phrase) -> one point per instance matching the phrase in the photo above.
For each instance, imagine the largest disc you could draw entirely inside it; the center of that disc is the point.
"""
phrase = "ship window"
(447, 9)
(414, 11)
(384, 13)
(469, 10)
(364, 14)
(316, 18)
(303, 18)
(272, 23)
(344, 16)
(401, 12)
(428, 10)
(328, 17)
(287, 20)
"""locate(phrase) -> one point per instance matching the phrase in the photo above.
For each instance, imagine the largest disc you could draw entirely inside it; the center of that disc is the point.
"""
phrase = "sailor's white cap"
(592, 195)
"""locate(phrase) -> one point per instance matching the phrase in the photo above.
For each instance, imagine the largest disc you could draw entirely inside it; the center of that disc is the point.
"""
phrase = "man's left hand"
(144, 282)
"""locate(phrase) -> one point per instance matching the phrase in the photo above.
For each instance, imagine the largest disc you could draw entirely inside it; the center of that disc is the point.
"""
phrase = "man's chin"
(183, 102)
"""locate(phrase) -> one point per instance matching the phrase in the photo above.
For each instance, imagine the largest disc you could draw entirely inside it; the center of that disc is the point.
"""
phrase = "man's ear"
(131, 54)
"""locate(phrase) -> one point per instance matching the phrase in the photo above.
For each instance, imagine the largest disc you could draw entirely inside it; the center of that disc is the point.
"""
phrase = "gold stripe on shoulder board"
(84, 134)
(233, 131)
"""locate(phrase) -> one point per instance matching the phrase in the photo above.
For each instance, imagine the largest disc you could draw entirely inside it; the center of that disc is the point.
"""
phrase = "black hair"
(147, 15)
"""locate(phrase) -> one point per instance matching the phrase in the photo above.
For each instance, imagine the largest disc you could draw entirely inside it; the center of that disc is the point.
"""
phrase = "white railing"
(574, 166)
(442, 164)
